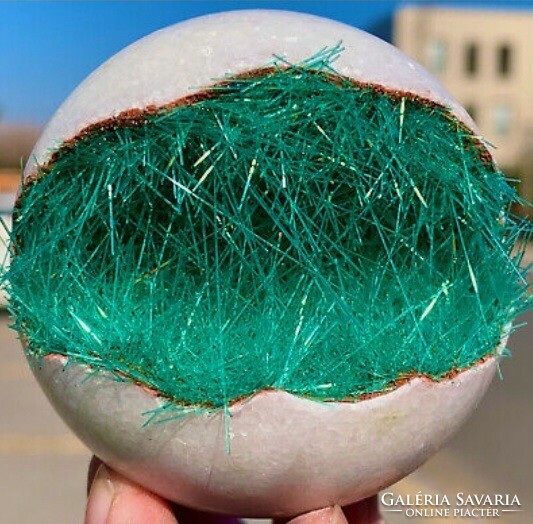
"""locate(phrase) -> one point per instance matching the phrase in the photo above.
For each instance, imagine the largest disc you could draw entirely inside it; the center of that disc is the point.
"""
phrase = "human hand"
(113, 499)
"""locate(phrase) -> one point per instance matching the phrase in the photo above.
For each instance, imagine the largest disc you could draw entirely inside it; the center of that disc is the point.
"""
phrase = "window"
(471, 59)
(436, 56)
(502, 119)
(504, 60)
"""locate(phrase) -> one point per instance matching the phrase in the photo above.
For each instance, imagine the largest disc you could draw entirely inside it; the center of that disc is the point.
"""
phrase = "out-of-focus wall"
(484, 58)
(16, 143)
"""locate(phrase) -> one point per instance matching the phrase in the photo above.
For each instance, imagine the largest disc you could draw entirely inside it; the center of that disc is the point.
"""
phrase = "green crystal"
(294, 230)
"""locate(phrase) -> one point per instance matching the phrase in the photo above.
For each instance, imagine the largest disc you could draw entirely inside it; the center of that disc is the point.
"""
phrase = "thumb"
(333, 515)
(113, 499)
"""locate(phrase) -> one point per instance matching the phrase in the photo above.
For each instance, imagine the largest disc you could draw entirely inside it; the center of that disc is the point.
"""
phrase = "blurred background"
(481, 51)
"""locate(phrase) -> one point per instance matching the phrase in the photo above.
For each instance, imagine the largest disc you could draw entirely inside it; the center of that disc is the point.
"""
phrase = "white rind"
(287, 454)
(181, 59)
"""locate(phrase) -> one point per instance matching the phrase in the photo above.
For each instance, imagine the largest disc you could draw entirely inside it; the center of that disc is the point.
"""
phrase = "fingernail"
(337, 516)
(100, 497)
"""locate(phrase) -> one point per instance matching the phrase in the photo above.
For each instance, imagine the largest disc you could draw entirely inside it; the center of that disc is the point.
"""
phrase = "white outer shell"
(181, 59)
(288, 455)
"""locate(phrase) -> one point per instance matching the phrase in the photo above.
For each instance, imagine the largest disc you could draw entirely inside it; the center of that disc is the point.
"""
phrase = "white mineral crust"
(286, 454)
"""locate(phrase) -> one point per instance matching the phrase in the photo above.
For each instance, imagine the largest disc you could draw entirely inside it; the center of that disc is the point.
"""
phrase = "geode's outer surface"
(274, 453)
(287, 455)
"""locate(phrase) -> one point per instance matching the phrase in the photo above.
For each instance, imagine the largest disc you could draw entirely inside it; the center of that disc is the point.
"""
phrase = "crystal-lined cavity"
(288, 229)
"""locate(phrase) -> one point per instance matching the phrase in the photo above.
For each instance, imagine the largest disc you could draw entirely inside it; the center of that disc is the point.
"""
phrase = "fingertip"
(337, 516)
(100, 497)
(113, 499)
(332, 515)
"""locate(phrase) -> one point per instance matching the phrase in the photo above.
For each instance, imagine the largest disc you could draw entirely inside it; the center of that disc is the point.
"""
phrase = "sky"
(48, 48)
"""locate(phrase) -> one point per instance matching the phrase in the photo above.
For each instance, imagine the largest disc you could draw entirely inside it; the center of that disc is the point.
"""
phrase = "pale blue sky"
(47, 48)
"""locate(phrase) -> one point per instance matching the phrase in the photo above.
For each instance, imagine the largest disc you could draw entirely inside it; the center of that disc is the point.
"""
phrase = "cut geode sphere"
(262, 263)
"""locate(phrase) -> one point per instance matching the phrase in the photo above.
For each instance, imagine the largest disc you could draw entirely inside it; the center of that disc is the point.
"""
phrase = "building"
(485, 59)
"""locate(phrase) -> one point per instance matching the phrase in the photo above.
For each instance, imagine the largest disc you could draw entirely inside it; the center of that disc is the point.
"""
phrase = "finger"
(363, 512)
(184, 515)
(113, 499)
(333, 515)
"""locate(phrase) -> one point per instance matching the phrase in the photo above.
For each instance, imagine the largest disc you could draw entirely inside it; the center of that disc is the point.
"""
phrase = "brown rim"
(402, 380)
(134, 117)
